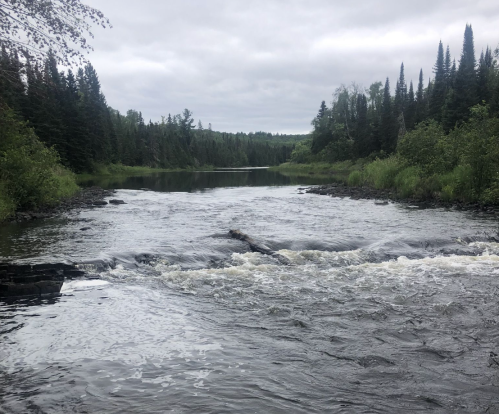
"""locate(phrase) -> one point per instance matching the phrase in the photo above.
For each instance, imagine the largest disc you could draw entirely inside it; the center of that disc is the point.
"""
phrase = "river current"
(384, 308)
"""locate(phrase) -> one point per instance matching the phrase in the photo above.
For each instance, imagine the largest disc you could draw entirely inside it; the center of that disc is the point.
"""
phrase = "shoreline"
(369, 193)
(85, 198)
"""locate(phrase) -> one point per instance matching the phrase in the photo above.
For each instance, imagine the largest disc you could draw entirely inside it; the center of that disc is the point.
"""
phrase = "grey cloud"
(267, 65)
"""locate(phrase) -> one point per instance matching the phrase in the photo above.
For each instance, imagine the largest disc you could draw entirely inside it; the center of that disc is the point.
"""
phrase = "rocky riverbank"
(43, 279)
(369, 193)
(87, 197)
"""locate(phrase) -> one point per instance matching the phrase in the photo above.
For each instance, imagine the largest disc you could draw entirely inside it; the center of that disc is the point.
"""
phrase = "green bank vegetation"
(439, 141)
(460, 166)
(30, 172)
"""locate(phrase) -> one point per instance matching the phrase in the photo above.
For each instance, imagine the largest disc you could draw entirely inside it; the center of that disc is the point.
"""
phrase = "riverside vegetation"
(55, 125)
(440, 142)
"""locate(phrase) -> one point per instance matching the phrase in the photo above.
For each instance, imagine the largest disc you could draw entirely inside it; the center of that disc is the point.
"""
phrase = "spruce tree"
(400, 93)
(362, 144)
(421, 112)
(484, 76)
(388, 128)
(410, 113)
(448, 67)
(437, 96)
(465, 85)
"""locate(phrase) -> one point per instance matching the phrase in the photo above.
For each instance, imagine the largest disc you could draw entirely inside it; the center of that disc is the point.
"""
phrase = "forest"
(69, 113)
(436, 140)
(56, 123)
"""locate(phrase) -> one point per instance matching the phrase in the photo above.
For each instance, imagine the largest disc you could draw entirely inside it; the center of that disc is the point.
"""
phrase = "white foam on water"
(75, 285)
(486, 247)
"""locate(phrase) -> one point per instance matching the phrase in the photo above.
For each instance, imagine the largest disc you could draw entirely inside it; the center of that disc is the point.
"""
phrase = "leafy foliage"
(32, 28)
(30, 173)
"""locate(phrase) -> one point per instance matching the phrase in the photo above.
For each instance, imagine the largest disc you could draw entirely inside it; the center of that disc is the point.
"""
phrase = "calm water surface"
(384, 308)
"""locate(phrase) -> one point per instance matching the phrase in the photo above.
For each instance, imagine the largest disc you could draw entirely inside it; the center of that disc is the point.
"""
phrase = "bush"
(421, 148)
(30, 173)
(457, 185)
(407, 181)
(355, 179)
(381, 173)
(7, 205)
(302, 154)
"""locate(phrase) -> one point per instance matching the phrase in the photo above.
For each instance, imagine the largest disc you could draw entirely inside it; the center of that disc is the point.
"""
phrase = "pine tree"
(400, 93)
(362, 145)
(388, 128)
(421, 112)
(465, 84)
(437, 97)
(410, 113)
(76, 133)
(448, 68)
(484, 75)
(322, 110)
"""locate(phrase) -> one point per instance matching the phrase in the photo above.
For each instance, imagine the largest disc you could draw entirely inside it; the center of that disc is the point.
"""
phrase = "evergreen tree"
(420, 114)
(388, 127)
(448, 68)
(437, 97)
(410, 113)
(465, 86)
(485, 75)
(400, 93)
(76, 132)
(322, 110)
(363, 145)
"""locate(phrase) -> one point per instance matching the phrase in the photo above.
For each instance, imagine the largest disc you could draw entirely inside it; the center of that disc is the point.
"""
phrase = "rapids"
(383, 308)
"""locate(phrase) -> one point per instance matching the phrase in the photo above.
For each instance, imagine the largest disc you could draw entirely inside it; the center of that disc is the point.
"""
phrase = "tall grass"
(381, 173)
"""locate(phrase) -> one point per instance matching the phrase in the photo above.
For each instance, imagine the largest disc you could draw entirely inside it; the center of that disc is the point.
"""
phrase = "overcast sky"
(257, 65)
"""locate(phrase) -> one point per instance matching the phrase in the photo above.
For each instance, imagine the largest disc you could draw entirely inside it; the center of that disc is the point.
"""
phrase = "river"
(383, 309)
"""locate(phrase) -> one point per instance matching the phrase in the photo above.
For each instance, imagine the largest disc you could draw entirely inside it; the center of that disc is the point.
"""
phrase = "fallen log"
(258, 247)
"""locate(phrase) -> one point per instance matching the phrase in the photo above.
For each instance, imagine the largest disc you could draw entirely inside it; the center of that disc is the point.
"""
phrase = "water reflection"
(184, 181)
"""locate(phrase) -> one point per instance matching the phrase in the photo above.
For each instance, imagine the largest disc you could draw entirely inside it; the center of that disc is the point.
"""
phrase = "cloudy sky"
(266, 65)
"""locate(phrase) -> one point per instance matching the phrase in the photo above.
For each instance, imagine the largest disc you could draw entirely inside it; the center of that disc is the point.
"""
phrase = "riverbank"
(338, 171)
(385, 195)
(118, 170)
(86, 197)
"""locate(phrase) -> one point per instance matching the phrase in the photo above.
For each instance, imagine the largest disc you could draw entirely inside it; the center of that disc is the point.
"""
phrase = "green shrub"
(381, 173)
(421, 148)
(407, 181)
(302, 154)
(355, 179)
(7, 205)
(30, 173)
(457, 184)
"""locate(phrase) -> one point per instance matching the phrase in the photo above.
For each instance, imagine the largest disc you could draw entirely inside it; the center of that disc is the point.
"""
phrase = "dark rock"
(36, 280)
(100, 203)
(85, 228)
(116, 202)
(74, 273)
(145, 258)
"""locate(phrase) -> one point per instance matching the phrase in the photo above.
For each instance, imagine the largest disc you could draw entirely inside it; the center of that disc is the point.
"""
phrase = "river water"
(383, 309)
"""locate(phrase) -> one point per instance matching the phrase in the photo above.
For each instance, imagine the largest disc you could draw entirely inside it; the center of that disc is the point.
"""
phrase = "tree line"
(369, 122)
(439, 141)
(69, 113)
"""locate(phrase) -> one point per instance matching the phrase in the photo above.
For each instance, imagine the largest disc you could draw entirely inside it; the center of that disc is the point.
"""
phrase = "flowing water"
(383, 308)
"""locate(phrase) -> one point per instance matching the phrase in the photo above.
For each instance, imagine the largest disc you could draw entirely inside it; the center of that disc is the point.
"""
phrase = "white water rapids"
(383, 308)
